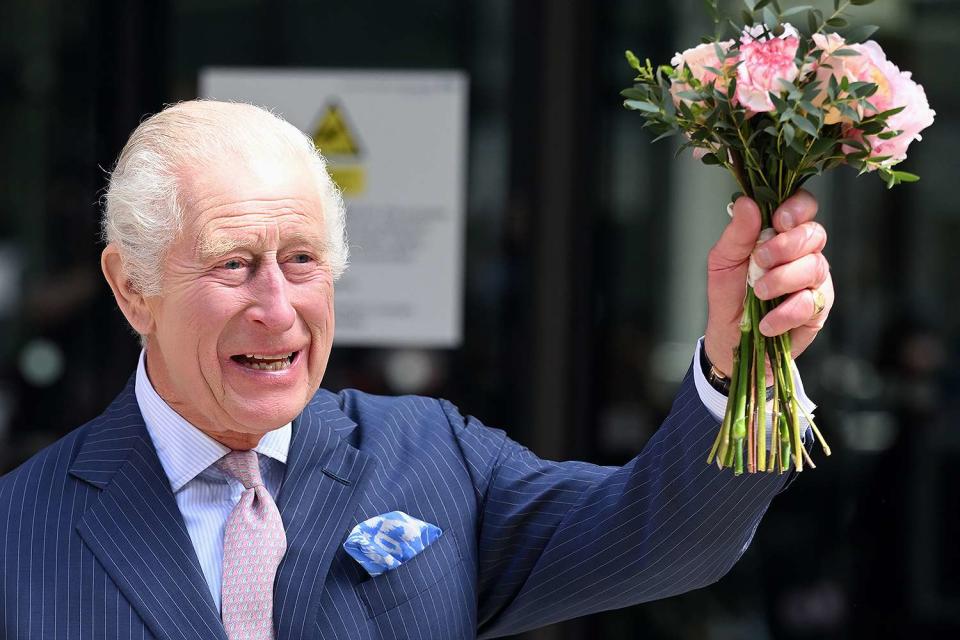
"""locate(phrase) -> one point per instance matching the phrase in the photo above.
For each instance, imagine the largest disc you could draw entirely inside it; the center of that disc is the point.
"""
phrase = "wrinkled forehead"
(250, 199)
(263, 235)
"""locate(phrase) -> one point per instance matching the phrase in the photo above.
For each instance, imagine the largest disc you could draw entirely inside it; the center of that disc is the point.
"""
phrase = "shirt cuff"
(716, 402)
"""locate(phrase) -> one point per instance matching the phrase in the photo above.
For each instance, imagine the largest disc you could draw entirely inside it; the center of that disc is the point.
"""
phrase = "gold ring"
(819, 302)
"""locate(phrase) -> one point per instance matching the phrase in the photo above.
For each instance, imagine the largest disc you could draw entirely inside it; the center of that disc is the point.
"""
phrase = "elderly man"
(214, 497)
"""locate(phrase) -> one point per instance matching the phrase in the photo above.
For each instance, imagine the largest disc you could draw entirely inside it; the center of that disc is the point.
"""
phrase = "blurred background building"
(583, 278)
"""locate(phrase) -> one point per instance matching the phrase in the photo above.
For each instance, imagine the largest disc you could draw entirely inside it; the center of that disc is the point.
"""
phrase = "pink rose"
(827, 43)
(698, 59)
(895, 88)
(766, 62)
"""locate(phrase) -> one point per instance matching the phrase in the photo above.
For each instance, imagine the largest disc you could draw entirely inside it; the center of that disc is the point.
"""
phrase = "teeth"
(266, 362)
(268, 366)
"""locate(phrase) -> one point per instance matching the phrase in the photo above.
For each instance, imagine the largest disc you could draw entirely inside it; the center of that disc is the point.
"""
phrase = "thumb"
(738, 240)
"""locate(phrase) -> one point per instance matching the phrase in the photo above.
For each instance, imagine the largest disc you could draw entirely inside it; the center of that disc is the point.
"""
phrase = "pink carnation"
(766, 62)
(698, 59)
(895, 88)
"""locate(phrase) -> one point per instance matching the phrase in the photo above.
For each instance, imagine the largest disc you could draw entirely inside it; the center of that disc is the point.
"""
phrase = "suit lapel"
(323, 482)
(135, 528)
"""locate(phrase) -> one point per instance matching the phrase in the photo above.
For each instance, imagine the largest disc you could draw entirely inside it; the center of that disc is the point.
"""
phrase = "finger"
(739, 238)
(805, 272)
(799, 208)
(797, 314)
(801, 337)
(809, 237)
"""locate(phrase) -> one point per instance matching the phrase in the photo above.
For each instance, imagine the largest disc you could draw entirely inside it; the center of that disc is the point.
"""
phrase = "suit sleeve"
(558, 540)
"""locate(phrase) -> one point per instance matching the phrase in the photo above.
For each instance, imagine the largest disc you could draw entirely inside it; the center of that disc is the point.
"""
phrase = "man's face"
(244, 326)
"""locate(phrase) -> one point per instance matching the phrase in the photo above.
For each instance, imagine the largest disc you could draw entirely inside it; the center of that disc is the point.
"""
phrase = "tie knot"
(243, 466)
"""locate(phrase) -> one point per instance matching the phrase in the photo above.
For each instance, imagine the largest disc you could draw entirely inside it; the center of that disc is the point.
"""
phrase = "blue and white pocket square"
(386, 541)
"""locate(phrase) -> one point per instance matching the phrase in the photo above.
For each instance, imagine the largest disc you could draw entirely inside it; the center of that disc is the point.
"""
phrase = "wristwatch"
(713, 375)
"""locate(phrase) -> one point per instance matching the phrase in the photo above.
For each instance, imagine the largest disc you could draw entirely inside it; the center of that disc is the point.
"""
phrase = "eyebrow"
(210, 248)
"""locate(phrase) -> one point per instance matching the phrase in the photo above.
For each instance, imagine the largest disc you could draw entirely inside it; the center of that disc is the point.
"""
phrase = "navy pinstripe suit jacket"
(92, 544)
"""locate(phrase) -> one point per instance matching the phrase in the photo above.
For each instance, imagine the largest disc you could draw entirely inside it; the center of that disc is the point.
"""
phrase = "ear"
(132, 303)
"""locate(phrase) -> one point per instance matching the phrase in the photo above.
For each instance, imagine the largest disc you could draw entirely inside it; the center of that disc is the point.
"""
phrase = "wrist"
(719, 355)
(716, 377)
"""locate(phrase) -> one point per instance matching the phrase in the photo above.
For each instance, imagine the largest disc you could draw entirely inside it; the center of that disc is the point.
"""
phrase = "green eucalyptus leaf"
(814, 20)
(696, 96)
(860, 3)
(862, 89)
(780, 103)
(812, 110)
(803, 124)
(788, 133)
(635, 94)
(890, 112)
(904, 176)
(847, 112)
(641, 105)
(666, 134)
(710, 159)
(792, 11)
(859, 33)
(856, 144)
(812, 90)
(846, 52)
(837, 22)
(822, 146)
(793, 154)
(770, 18)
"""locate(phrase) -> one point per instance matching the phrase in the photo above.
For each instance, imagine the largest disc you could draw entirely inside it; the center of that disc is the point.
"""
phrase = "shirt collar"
(184, 450)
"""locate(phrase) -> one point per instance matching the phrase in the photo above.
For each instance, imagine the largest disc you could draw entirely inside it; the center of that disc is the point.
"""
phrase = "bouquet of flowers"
(776, 107)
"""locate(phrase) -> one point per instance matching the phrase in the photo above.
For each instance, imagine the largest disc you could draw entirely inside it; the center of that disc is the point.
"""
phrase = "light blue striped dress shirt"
(205, 495)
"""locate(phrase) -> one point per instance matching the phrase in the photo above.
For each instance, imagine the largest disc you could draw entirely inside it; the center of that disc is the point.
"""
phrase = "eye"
(233, 264)
(301, 258)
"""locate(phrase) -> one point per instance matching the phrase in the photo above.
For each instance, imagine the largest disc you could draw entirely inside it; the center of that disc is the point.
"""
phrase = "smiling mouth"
(265, 362)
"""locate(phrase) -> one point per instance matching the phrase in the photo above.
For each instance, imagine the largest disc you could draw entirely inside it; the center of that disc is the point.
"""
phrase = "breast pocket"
(397, 586)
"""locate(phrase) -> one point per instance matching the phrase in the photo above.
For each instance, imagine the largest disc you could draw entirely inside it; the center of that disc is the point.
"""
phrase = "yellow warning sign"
(339, 144)
(332, 136)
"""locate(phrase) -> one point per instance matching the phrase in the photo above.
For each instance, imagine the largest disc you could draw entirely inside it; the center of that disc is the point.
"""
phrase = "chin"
(261, 419)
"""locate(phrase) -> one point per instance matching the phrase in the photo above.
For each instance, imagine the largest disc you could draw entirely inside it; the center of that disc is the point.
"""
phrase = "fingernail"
(762, 257)
(760, 289)
(786, 219)
(764, 327)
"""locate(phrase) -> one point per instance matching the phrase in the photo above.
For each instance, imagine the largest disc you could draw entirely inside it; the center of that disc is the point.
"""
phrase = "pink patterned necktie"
(253, 545)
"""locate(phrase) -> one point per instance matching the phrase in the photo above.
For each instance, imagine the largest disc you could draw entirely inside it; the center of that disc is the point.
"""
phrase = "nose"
(271, 306)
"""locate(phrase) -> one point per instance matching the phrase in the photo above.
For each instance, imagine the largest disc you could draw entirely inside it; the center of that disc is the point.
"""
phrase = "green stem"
(739, 427)
(761, 384)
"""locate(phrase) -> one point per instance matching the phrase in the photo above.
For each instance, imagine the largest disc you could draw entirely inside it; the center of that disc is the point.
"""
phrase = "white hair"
(143, 211)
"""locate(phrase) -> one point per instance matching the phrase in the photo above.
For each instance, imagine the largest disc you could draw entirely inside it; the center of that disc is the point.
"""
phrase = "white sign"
(396, 144)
